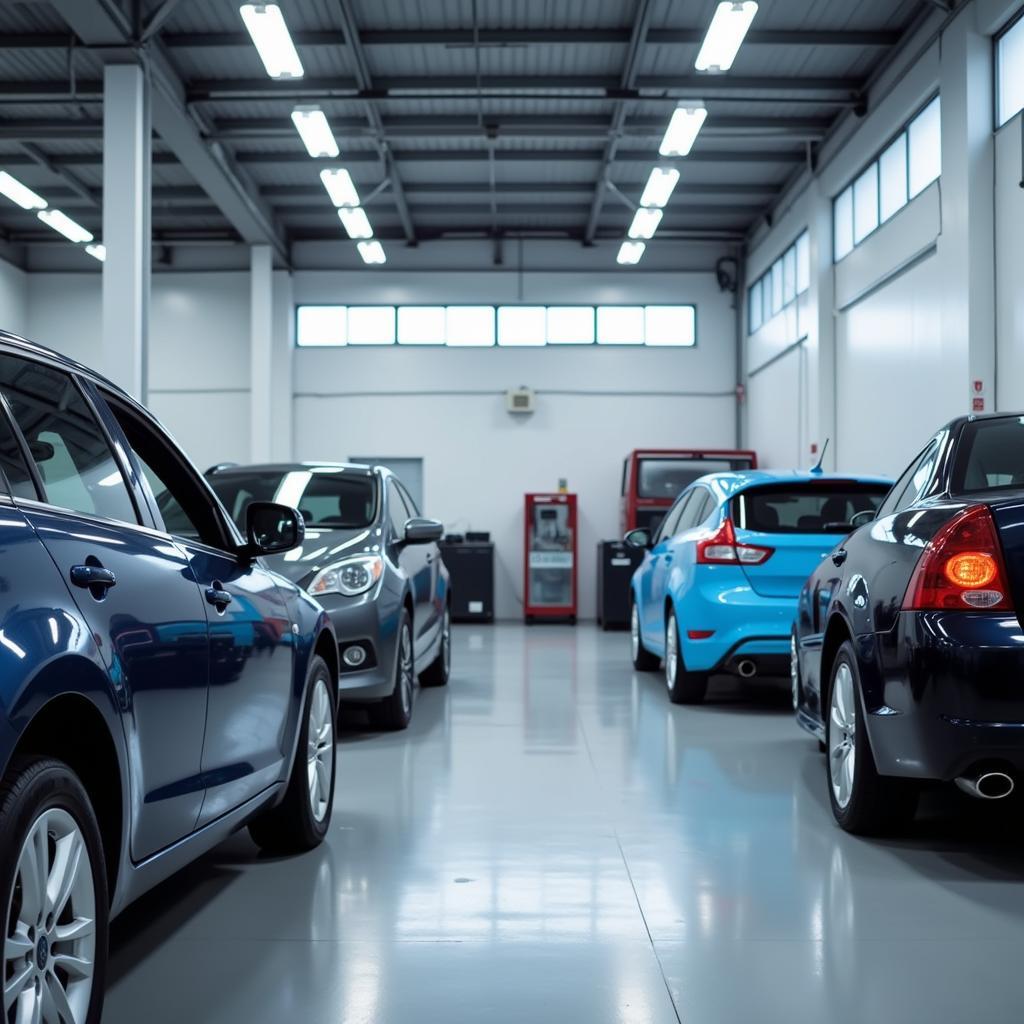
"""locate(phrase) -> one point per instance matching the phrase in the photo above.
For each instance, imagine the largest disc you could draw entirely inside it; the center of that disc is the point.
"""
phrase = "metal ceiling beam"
(536, 188)
(158, 19)
(79, 188)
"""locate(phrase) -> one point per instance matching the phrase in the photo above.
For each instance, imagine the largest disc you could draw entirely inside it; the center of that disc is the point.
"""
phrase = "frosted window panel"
(754, 315)
(842, 224)
(803, 263)
(925, 144)
(421, 325)
(789, 275)
(1010, 72)
(892, 178)
(521, 325)
(620, 325)
(371, 325)
(570, 325)
(865, 204)
(470, 326)
(776, 273)
(321, 326)
(669, 325)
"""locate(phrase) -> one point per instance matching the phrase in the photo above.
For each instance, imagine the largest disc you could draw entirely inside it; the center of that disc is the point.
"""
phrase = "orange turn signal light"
(971, 569)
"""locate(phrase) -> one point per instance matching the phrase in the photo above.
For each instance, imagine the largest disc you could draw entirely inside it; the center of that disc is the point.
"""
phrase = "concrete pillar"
(821, 333)
(283, 345)
(126, 226)
(261, 355)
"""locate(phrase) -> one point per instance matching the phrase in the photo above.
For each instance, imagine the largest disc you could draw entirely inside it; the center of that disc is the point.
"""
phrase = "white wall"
(448, 406)
(13, 299)
(1009, 263)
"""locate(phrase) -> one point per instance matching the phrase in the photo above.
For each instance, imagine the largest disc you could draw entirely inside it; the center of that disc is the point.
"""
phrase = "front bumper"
(951, 695)
(371, 621)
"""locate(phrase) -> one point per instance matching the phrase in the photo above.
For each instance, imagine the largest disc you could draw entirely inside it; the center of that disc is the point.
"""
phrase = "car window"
(410, 505)
(341, 501)
(397, 511)
(990, 456)
(805, 506)
(669, 525)
(183, 503)
(911, 485)
(690, 516)
(706, 507)
(12, 463)
(66, 442)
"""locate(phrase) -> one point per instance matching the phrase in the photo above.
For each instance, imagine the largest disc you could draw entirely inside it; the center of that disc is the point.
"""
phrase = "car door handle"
(838, 557)
(218, 597)
(93, 577)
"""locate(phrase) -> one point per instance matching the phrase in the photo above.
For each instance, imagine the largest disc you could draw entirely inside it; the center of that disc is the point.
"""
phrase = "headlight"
(349, 577)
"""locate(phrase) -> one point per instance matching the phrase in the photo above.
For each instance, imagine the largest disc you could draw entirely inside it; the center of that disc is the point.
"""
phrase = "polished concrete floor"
(552, 841)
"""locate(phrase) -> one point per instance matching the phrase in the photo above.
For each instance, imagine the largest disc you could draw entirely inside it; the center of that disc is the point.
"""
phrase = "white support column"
(261, 354)
(126, 226)
(283, 345)
(821, 335)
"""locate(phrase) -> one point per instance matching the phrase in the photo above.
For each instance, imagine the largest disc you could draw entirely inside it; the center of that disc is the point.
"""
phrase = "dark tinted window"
(692, 514)
(397, 511)
(912, 484)
(990, 456)
(825, 507)
(665, 478)
(236, 491)
(67, 445)
(671, 520)
(12, 463)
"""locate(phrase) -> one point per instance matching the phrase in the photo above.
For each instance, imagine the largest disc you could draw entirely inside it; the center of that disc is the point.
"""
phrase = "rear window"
(990, 456)
(805, 507)
(667, 478)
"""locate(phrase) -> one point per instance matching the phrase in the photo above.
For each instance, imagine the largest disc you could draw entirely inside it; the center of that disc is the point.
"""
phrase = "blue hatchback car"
(160, 687)
(717, 589)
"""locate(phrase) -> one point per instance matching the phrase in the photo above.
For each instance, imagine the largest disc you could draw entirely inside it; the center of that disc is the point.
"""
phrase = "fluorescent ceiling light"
(659, 186)
(645, 223)
(372, 252)
(20, 194)
(65, 225)
(356, 222)
(315, 132)
(682, 130)
(630, 253)
(338, 183)
(265, 23)
(97, 250)
(725, 35)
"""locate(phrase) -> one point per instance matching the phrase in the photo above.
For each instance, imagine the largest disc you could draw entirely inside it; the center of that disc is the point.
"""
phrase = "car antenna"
(817, 470)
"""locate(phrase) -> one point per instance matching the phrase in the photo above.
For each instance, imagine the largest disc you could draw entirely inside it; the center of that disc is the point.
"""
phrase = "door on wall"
(409, 471)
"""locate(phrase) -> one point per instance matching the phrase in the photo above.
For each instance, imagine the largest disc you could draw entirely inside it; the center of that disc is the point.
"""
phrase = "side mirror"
(423, 531)
(639, 538)
(271, 528)
(860, 518)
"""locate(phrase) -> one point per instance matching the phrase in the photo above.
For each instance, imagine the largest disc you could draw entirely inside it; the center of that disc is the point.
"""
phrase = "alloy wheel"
(320, 750)
(842, 735)
(405, 672)
(671, 651)
(634, 632)
(50, 947)
(794, 673)
(446, 642)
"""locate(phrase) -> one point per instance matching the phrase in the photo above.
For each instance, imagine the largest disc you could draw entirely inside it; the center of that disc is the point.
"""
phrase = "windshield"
(331, 500)
(990, 456)
(667, 478)
(811, 507)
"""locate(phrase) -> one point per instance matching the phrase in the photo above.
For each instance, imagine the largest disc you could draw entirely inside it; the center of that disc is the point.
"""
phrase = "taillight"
(721, 549)
(962, 567)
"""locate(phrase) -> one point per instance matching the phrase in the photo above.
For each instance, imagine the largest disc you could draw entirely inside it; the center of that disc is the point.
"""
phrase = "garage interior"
(834, 276)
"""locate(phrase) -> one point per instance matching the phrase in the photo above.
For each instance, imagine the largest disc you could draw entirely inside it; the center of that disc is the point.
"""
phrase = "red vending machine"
(550, 557)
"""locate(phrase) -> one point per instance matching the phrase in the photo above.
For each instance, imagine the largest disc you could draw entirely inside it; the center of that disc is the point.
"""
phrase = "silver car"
(373, 563)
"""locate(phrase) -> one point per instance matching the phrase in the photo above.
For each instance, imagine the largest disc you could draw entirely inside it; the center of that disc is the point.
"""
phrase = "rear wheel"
(683, 687)
(863, 802)
(439, 670)
(643, 660)
(395, 712)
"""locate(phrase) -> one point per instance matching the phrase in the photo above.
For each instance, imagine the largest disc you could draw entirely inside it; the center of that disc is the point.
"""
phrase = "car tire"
(683, 687)
(643, 660)
(395, 712)
(48, 822)
(301, 820)
(863, 802)
(439, 670)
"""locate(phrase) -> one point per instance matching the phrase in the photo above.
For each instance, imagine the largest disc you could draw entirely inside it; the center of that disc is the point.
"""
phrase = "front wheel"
(683, 687)
(643, 660)
(54, 885)
(395, 712)
(439, 670)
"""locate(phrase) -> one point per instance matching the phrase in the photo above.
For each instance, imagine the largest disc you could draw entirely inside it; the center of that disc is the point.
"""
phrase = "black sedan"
(908, 651)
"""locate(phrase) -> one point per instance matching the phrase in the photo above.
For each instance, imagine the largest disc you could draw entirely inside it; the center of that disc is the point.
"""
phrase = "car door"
(412, 558)
(137, 593)
(660, 567)
(432, 597)
(248, 617)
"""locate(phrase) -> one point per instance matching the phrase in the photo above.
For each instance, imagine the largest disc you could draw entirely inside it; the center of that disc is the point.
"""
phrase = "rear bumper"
(952, 695)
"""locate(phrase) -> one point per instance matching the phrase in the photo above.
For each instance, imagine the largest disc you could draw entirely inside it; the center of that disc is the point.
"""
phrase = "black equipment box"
(471, 567)
(616, 563)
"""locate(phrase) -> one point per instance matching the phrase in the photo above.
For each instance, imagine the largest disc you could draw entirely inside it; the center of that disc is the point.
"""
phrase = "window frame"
(765, 282)
(997, 38)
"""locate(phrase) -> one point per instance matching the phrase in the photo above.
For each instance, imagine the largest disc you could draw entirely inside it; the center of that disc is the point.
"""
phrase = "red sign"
(979, 386)
(978, 405)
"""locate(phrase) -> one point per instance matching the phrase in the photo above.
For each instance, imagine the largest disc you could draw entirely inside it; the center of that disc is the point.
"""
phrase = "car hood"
(321, 548)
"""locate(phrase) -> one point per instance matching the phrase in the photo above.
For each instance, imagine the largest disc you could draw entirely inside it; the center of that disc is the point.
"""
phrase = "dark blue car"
(159, 689)
(908, 650)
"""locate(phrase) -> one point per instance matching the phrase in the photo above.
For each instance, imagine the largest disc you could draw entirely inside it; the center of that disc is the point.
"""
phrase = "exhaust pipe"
(746, 668)
(986, 785)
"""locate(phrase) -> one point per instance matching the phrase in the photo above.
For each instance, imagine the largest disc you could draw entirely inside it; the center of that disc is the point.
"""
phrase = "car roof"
(726, 485)
(229, 469)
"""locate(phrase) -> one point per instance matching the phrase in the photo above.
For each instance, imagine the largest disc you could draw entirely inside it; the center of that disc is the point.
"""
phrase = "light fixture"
(97, 250)
(683, 129)
(659, 186)
(269, 33)
(645, 223)
(630, 253)
(20, 194)
(65, 225)
(725, 36)
(356, 222)
(338, 183)
(371, 252)
(315, 132)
